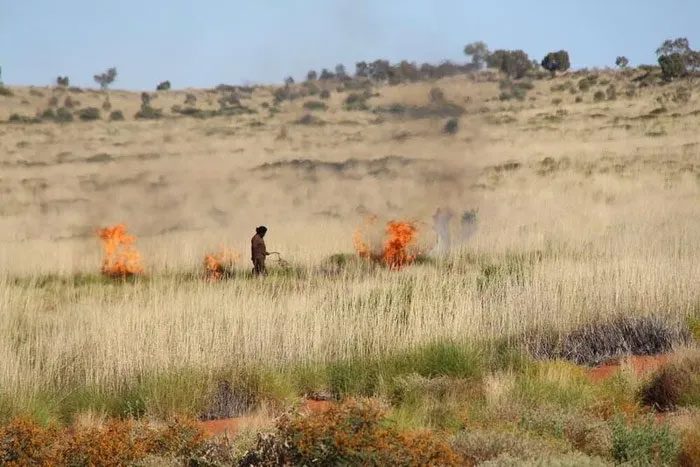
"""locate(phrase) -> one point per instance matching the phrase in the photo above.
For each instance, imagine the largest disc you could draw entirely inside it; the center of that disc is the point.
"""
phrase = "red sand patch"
(233, 426)
(641, 365)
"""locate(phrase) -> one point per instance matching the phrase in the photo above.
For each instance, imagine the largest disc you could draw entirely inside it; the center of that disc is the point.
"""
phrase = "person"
(258, 251)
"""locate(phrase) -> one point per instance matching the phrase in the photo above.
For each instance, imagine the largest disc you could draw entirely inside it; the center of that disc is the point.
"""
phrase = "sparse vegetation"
(559, 326)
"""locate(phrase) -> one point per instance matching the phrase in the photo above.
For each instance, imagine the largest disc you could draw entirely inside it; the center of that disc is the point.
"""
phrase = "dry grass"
(607, 218)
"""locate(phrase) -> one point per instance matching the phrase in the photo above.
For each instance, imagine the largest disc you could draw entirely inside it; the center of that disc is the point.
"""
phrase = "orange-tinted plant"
(352, 433)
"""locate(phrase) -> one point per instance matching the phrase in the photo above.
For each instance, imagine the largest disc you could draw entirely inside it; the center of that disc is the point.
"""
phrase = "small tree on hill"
(311, 75)
(622, 62)
(63, 81)
(556, 61)
(106, 78)
(163, 86)
(340, 72)
(479, 52)
(677, 59)
(288, 81)
(514, 63)
(361, 69)
(326, 75)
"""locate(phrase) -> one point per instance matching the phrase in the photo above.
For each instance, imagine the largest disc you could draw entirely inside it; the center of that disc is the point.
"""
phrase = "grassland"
(588, 226)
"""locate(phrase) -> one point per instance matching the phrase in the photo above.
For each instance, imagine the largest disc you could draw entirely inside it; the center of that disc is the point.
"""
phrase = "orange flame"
(121, 259)
(398, 249)
(218, 265)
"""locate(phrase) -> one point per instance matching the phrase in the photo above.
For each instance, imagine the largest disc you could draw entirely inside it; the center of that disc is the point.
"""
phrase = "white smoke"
(442, 220)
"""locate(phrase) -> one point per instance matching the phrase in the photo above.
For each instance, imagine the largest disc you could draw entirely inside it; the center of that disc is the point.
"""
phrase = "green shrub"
(357, 101)
(315, 105)
(116, 116)
(308, 119)
(556, 61)
(6, 92)
(451, 126)
(48, 114)
(644, 444)
(148, 113)
(63, 115)
(672, 66)
(598, 96)
(325, 94)
(89, 113)
(17, 118)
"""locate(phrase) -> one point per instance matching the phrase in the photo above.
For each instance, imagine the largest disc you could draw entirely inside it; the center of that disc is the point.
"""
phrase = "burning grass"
(399, 248)
(220, 265)
(121, 258)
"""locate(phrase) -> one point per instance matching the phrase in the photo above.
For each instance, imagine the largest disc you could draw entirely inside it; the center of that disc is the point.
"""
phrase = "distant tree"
(340, 72)
(479, 52)
(556, 61)
(106, 78)
(379, 70)
(514, 63)
(361, 70)
(288, 81)
(622, 62)
(63, 81)
(679, 45)
(311, 75)
(408, 71)
(326, 75)
(677, 59)
(672, 66)
(163, 86)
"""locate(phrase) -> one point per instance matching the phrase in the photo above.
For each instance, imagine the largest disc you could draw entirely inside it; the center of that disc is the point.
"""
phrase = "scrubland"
(586, 250)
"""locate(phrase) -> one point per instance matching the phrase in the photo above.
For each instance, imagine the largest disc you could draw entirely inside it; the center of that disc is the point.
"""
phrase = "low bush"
(598, 341)
(598, 96)
(325, 94)
(673, 385)
(89, 114)
(451, 126)
(357, 101)
(644, 444)
(17, 118)
(479, 446)
(308, 119)
(6, 92)
(689, 455)
(63, 115)
(116, 116)
(353, 433)
(315, 105)
(117, 442)
(148, 113)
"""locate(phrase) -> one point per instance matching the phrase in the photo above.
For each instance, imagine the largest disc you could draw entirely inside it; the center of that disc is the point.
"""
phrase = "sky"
(208, 42)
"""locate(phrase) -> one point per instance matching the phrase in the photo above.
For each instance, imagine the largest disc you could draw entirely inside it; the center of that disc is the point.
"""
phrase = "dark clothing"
(258, 252)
